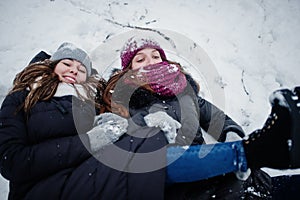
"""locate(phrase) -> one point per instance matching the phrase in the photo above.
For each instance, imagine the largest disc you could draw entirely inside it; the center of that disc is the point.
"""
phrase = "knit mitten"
(108, 129)
(277, 144)
(165, 122)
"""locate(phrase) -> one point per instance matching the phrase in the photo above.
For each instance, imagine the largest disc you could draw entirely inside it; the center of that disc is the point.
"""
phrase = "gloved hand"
(232, 136)
(108, 128)
(165, 122)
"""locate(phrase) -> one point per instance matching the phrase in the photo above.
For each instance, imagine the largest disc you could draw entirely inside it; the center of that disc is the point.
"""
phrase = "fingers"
(109, 118)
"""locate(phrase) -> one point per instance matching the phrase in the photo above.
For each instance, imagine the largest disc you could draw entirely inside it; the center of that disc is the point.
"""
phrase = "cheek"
(59, 69)
(136, 65)
(81, 78)
(58, 72)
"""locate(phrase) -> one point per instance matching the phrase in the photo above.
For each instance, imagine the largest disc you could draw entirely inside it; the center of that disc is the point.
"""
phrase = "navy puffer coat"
(45, 155)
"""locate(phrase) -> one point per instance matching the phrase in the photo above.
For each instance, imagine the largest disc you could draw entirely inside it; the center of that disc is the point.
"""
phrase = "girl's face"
(144, 57)
(70, 71)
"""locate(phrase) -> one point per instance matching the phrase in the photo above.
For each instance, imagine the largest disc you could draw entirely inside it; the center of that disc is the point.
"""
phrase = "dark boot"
(277, 144)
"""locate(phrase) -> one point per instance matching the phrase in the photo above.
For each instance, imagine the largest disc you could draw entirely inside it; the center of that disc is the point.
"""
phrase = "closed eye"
(67, 64)
(140, 60)
(81, 69)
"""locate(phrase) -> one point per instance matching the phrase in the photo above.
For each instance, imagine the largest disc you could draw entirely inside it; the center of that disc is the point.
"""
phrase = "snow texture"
(279, 98)
(108, 128)
(166, 123)
(254, 45)
(137, 42)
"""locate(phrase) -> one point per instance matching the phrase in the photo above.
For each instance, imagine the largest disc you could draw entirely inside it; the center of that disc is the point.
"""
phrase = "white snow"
(253, 45)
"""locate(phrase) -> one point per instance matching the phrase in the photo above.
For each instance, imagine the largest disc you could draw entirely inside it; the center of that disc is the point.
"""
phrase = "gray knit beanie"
(70, 51)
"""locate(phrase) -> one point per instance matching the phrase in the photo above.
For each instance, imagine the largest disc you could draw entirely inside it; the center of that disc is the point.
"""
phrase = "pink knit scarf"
(164, 78)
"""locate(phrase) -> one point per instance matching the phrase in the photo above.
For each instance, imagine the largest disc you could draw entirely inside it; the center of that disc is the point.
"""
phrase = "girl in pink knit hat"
(145, 64)
(155, 92)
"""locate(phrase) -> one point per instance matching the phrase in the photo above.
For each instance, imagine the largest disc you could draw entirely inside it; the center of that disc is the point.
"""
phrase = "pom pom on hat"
(135, 44)
(70, 51)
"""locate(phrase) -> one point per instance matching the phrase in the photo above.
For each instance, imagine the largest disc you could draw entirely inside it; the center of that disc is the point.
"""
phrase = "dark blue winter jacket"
(210, 118)
(45, 154)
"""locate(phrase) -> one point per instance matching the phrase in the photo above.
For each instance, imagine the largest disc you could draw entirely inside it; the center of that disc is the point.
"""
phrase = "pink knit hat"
(135, 44)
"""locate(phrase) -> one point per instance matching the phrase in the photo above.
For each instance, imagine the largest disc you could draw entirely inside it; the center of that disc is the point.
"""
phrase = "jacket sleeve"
(41, 56)
(21, 161)
(215, 122)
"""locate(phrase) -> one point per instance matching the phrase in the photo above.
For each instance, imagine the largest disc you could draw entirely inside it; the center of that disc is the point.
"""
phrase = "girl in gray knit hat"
(47, 123)
(70, 51)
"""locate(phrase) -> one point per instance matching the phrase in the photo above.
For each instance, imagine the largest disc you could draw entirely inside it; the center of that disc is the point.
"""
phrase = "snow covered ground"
(253, 45)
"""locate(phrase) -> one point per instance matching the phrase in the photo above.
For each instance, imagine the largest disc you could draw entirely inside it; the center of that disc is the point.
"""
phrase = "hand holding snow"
(166, 123)
(108, 128)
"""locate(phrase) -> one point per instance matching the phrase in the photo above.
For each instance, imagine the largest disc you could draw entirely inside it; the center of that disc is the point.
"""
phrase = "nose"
(150, 61)
(74, 70)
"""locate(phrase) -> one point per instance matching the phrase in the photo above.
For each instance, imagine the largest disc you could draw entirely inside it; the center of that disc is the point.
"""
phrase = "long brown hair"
(118, 105)
(41, 82)
(110, 105)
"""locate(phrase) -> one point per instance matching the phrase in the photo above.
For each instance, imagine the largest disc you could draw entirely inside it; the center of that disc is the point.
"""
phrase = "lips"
(70, 79)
